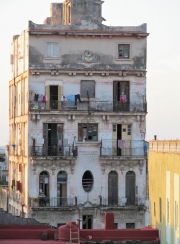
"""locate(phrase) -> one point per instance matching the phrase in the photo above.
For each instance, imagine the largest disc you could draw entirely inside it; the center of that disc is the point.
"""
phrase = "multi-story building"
(78, 119)
(164, 188)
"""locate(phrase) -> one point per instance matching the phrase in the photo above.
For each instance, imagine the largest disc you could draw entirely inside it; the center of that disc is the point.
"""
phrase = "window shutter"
(48, 96)
(55, 49)
(60, 93)
(88, 87)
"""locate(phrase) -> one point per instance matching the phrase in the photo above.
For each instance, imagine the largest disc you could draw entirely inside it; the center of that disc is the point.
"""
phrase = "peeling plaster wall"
(72, 50)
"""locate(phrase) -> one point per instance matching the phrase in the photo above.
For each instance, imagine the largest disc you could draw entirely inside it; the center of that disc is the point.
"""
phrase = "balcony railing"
(110, 148)
(77, 201)
(53, 201)
(96, 106)
(40, 151)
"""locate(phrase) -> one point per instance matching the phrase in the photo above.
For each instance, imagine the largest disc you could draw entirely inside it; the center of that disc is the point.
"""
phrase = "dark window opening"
(87, 132)
(115, 225)
(53, 139)
(130, 188)
(87, 221)
(113, 188)
(44, 184)
(62, 188)
(54, 97)
(88, 89)
(123, 51)
(130, 225)
(87, 181)
(129, 130)
(121, 95)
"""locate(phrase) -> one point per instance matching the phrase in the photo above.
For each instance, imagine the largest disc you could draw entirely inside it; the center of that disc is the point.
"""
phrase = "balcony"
(60, 151)
(92, 106)
(52, 202)
(65, 202)
(112, 148)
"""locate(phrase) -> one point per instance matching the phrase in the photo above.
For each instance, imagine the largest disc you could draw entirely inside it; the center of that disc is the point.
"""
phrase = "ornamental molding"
(88, 58)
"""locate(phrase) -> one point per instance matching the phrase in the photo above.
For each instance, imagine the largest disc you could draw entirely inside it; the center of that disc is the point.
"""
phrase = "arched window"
(113, 188)
(130, 187)
(44, 184)
(87, 181)
(62, 188)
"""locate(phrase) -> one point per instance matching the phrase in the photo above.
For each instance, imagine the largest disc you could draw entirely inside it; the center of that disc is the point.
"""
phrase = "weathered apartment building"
(77, 116)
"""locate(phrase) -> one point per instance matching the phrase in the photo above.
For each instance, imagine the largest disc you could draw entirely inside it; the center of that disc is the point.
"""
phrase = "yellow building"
(164, 186)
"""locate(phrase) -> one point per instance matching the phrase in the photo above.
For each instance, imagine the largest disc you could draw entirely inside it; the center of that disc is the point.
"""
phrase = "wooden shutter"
(60, 93)
(45, 136)
(113, 188)
(88, 86)
(130, 188)
(48, 96)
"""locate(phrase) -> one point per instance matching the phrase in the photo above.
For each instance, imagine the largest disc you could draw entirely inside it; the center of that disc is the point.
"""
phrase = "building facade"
(78, 119)
(164, 186)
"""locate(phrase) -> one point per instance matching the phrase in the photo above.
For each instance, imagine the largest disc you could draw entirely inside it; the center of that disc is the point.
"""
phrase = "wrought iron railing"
(122, 148)
(97, 106)
(77, 201)
(54, 150)
(52, 202)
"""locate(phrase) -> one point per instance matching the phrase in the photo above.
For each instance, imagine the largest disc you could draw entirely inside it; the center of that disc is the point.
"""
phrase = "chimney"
(155, 137)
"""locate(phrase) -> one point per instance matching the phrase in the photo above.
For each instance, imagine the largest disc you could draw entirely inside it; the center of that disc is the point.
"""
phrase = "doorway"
(87, 222)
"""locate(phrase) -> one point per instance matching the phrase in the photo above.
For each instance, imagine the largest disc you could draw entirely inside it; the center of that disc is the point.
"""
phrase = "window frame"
(81, 89)
(52, 50)
(80, 131)
(124, 45)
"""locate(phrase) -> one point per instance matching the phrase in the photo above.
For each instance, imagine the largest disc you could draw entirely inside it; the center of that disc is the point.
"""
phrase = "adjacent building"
(78, 119)
(164, 187)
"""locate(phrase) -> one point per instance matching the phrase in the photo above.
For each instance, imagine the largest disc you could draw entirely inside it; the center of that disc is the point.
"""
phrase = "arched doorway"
(62, 188)
(130, 187)
(113, 188)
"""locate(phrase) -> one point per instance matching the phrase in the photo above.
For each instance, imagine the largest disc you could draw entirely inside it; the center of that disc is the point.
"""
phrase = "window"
(44, 183)
(113, 188)
(87, 132)
(87, 181)
(160, 210)
(154, 209)
(121, 95)
(52, 49)
(130, 225)
(87, 89)
(62, 188)
(130, 187)
(123, 51)
(87, 221)
(129, 130)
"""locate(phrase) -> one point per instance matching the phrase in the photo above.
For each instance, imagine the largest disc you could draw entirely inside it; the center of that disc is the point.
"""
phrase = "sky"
(163, 54)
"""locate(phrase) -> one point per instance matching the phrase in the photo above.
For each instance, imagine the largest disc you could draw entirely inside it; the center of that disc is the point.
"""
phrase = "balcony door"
(62, 188)
(130, 187)
(113, 188)
(122, 139)
(121, 96)
(53, 139)
(54, 94)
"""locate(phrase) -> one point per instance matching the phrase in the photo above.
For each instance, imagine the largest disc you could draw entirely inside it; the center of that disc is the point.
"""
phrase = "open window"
(87, 132)
(121, 96)
(44, 184)
(123, 51)
(62, 188)
(54, 94)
